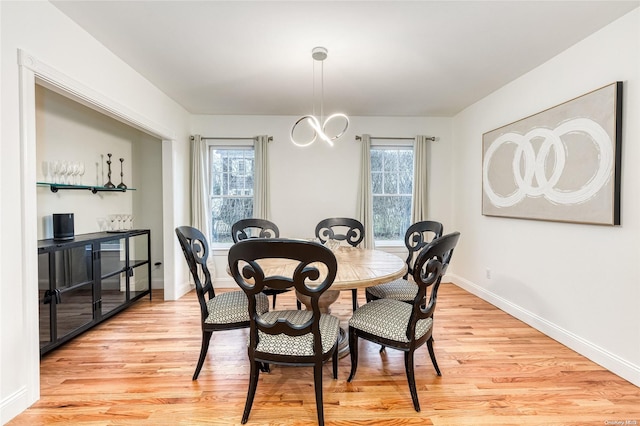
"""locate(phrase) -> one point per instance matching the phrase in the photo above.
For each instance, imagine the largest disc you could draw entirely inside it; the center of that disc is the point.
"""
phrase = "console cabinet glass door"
(139, 265)
(113, 267)
(113, 256)
(74, 310)
(73, 289)
(113, 293)
(44, 300)
(65, 287)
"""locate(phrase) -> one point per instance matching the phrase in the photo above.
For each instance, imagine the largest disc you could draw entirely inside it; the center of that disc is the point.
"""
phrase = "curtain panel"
(365, 197)
(200, 208)
(419, 195)
(261, 196)
(200, 205)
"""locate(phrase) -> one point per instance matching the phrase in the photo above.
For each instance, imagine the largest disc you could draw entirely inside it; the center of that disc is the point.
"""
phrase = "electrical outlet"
(488, 273)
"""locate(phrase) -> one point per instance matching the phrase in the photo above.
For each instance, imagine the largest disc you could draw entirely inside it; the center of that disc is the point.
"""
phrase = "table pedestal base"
(324, 303)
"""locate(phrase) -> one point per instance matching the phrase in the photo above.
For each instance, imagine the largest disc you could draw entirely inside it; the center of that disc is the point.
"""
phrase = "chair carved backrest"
(253, 228)
(340, 229)
(196, 250)
(430, 266)
(311, 273)
(417, 236)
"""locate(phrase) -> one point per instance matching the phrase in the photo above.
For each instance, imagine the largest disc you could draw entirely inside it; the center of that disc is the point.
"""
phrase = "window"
(391, 185)
(231, 186)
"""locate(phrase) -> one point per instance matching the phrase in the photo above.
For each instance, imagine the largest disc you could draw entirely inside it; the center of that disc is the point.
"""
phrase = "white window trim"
(389, 243)
(220, 248)
(391, 144)
(223, 248)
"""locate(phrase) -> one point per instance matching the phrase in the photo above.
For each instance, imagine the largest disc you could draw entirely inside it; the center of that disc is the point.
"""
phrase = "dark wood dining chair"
(404, 289)
(258, 228)
(226, 311)
(401, 325)
(342, 229)
(254, 228)
(287, 337)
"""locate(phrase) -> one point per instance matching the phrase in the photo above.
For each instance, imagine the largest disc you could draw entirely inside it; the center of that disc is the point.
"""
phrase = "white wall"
(312, 183)
(576, 283)
(147, 199)
(40, 29)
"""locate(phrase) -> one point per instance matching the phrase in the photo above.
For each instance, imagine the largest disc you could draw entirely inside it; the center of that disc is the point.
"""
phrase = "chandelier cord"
(314, 95)
(313, 85)
(322, 91)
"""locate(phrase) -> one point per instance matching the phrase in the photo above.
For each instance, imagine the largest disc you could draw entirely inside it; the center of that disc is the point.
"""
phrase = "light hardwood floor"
(136, 369)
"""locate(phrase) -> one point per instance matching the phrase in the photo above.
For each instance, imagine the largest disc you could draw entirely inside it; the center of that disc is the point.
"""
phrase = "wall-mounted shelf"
(55, 187)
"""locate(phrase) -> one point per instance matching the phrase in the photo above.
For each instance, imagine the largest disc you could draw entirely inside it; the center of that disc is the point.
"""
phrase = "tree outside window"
(392, 186)
(232, 171)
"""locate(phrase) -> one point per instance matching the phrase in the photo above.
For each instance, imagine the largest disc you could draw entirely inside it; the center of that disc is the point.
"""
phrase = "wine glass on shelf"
(55, 171)
(75, 169)
(81, 170)
(63, 172)
(69, 172)
(112, 222)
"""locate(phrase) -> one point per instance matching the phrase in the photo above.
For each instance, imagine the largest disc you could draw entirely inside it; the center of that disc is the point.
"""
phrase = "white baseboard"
(13, 405)
(185, 288)
(611, 362)
(180, 290)
(157, 284)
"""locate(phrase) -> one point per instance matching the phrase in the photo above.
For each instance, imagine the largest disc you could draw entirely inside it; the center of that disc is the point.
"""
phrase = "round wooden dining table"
(357, 268)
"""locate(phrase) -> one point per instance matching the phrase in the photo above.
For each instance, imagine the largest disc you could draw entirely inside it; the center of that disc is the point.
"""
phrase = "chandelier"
(319, 125)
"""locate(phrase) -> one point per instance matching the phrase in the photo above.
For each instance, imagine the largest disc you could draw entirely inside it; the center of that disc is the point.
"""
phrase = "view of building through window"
(231, 186)
(392, 185)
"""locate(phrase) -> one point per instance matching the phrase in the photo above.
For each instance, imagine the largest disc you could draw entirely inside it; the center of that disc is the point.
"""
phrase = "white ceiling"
(386, 58)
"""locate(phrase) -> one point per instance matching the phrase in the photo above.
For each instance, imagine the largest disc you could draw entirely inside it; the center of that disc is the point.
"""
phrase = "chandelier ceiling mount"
(319, 126)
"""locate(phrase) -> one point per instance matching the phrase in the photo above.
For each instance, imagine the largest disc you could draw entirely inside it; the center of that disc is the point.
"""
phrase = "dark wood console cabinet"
(82, 282)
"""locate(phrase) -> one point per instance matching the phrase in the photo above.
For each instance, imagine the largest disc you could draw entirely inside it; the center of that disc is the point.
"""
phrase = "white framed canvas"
(561, 164)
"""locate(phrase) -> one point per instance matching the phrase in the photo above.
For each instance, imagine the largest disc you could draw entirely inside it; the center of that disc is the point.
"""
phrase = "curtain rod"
(429, 138)
(254, 138)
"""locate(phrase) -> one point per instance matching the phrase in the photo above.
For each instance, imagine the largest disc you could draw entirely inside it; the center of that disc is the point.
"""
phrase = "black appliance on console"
(63, 226)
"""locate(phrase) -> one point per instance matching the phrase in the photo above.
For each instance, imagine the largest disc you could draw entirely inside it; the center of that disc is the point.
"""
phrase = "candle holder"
(121, 185)
(109, 184)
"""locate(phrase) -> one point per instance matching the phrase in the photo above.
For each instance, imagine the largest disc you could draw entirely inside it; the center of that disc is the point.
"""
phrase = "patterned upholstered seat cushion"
(399, 289)
(388, 318)
(233, 307)
(297, 345)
